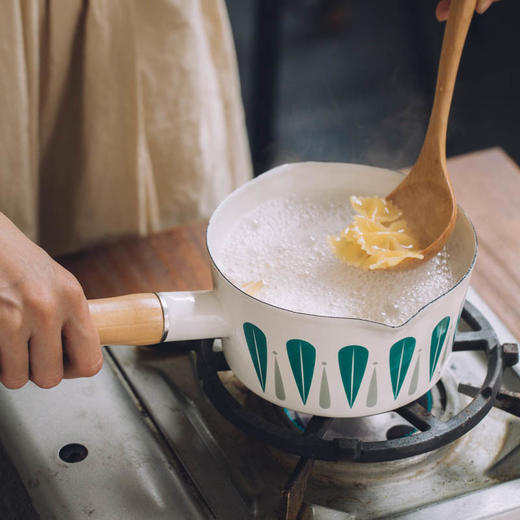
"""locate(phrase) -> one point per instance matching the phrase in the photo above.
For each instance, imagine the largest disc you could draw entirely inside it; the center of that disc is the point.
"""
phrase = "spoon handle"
(459, 19)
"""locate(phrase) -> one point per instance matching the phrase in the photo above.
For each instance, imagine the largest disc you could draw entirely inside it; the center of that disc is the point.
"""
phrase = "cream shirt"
(117, 117)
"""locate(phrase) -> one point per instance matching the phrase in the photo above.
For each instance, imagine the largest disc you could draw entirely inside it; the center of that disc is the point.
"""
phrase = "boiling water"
(283, 242)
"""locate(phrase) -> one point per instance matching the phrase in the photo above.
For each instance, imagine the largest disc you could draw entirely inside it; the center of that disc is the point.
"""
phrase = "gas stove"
(143, 440)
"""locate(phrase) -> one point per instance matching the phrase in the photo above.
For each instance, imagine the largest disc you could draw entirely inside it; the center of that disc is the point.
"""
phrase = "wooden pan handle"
(133, 319)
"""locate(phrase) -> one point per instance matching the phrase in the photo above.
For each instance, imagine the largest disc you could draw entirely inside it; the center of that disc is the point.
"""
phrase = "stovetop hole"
(73, 453)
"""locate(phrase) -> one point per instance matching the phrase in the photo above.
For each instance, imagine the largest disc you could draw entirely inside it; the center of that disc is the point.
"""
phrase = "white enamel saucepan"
(328, 366)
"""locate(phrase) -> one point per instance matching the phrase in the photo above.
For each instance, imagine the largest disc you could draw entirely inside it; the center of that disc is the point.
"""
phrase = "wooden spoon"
(426, 196)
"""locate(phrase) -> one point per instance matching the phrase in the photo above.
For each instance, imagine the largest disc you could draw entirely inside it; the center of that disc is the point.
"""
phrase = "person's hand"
(46, 332)
(443, 8)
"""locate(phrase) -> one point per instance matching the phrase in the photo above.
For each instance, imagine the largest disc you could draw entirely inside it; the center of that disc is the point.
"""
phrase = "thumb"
(442, 10)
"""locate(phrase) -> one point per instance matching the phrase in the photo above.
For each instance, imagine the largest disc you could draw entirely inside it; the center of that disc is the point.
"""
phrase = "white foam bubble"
(283, 242)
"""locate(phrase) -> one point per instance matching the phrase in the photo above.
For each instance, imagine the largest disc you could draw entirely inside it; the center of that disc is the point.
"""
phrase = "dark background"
(353, 80)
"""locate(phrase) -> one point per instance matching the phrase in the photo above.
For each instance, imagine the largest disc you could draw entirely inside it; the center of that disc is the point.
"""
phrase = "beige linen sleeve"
(119, 117)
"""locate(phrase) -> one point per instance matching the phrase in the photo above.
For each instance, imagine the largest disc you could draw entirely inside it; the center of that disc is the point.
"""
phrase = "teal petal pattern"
(352, 364)
(400, 357)
(438, 337)
(258, 349)
(302, 357)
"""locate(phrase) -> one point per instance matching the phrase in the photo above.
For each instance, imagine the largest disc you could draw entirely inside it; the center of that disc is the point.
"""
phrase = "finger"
(483, 5)
(443, 8)
(14, 363)
(82, 350)
(46, 356)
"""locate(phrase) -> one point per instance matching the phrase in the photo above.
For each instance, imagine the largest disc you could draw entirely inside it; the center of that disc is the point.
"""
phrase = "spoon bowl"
(430, 211)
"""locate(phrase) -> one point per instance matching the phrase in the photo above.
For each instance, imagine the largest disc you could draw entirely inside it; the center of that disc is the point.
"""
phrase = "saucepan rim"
(323, 316)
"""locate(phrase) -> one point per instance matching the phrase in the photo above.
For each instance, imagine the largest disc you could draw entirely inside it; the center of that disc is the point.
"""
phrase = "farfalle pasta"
(252, 288)
(377, 238)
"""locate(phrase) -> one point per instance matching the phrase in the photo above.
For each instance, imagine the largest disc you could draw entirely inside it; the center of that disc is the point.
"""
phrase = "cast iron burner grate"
(432, 432)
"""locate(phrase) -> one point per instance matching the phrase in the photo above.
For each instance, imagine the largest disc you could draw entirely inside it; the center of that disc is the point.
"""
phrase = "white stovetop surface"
(129, 474)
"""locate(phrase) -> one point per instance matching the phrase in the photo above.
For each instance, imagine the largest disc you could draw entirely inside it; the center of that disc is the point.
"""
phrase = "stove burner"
(400, 430)
(311, 444)
(388, 425)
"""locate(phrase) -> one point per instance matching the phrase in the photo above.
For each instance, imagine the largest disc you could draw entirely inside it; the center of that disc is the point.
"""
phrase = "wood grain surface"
(487, 186)
(174, 260)
(132, 319)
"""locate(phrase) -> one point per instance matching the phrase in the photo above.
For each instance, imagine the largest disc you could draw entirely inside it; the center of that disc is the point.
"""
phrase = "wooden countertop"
(487, 186)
